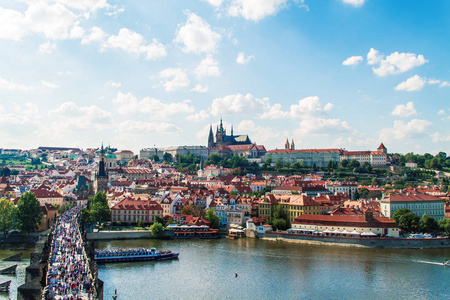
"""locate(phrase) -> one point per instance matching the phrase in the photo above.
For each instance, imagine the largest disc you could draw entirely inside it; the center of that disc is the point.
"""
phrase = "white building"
(417, 203)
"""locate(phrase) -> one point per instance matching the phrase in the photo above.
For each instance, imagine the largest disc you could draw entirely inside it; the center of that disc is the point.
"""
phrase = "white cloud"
(445, 83)
(415, 83)
(356, 3)
(134, 127)
(208, 67)
(11, 85)
(200, 88)
(28, 114)
(196, 35)
(255, 10)
(47, 47)
(374, 57)
(242, 59)
(441, 112)
(322, 126)
(258, 133)
(133, 42)
(201, 116)
(309, 107)
(438, 137)
(113, 84)
(404, 110)
(50, 85)
(274, 112)
(128, 104)
(71, 117)
(215, 3)
(178, 79)
(237, 104)
(401, 130)
(352, 60)
(394, 63)
(96, 34)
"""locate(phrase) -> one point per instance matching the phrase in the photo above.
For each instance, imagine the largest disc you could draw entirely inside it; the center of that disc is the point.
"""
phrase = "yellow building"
(292, 206)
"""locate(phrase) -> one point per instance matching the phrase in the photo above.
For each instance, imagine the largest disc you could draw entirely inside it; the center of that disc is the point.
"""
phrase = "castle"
(222, 139)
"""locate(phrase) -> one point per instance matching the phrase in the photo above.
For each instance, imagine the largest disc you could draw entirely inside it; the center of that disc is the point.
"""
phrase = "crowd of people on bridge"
(69, 276)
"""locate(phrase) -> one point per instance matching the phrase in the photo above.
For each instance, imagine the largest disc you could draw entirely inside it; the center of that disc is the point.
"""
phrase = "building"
(417, 203)
(201, 151)
(101, 177)
(375, 158)
(50, 213)
(131, 210)
(149, 152)
(292, 206)
(411, 165)
(306, 157)
(349, 188)
(355, 226)
(48, 196)
(222, 139)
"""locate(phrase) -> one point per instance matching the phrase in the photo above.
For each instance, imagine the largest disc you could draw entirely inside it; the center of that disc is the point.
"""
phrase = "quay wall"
(119, 235)
(357, 242)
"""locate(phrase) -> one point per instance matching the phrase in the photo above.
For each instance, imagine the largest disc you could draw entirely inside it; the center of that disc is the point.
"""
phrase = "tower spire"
(231, 130)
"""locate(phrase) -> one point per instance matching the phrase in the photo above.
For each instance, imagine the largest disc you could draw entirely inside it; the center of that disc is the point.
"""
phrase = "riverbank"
(436, 243)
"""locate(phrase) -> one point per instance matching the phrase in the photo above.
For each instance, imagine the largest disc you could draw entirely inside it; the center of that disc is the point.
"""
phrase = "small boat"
(4, 287)
(232, 236)
(9, 270)
(447, 263)
(15, 257)
(130, 255)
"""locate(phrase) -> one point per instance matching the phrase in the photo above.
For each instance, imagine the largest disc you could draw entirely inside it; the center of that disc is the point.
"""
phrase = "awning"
(368, 233)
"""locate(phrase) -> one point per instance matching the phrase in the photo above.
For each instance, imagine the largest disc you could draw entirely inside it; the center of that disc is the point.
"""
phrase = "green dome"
(110, 155)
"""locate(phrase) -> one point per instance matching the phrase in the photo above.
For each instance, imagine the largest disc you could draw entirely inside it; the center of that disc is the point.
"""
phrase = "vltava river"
(274, 270)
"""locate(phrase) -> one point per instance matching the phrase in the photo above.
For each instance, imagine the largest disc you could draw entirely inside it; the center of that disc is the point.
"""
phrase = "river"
(275, 270)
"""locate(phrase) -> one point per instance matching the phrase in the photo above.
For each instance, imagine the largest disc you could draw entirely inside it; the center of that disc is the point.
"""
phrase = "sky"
(144, 73)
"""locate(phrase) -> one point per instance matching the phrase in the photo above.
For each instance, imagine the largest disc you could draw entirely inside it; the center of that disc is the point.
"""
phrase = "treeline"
(410, 222)
(27, 216)
(427, 161)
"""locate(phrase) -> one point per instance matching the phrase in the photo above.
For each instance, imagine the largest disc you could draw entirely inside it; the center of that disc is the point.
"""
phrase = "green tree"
(155, 158)
(406, 220)
(445, 225)
(280, 224)
(212, 218)
(157, 230)
(428, 224)
(279, 163)
(296, 166)
(167, 157)
(7, 214)
(214, 159)
(354, 164)
(98, 208)
(29, 214)
(344, 164)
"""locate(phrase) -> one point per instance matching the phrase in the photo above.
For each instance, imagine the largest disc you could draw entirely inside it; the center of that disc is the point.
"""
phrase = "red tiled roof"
(410, 198)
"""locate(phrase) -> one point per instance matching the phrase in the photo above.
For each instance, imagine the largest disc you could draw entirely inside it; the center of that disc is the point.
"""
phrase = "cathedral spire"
(231, 130)
(292, 145)
(286, 145)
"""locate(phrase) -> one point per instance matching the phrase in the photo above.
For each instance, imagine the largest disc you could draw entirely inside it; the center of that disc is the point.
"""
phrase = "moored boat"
(9, 270)
(447, 263)
(16, 257)
(134, 254)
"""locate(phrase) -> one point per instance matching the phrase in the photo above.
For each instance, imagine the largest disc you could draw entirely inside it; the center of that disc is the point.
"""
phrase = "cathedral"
(222, 139)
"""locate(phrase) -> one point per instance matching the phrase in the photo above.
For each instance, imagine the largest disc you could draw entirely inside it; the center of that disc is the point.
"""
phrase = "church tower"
(292, 145)
(286, 145)
(101, 177)
(210, 138)
(220, 134)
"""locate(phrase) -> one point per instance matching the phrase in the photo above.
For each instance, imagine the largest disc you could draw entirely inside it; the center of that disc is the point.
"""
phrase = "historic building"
(101, 177)
(222, 139)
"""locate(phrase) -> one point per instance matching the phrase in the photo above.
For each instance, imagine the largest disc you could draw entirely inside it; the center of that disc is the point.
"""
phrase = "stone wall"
(119, 235)
(359, 242)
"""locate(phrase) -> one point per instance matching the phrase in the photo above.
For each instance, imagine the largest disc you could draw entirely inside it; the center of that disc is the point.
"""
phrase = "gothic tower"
(292, 145)
(210, 137)
(101, 177)
(286, 145)
(220, 134)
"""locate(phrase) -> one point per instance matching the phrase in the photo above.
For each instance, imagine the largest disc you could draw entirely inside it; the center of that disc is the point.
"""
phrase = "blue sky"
(328, 74)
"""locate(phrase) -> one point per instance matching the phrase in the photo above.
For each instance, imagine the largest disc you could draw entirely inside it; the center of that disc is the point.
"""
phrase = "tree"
(199, 211)
(354, 164)
(445, 225)
(7, 214)
(214, 159)
(296, 166)
(428, 224)
(187, 209)
(212, 218)
(157, 230)
(406, 220)
(280, 224)
(167, 157)
(279, 163)
(98, 208)
(155, 158)
(344, 164)
(29, 214)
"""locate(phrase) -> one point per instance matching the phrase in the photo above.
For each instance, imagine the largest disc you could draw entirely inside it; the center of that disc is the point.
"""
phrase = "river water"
(275, 270)
(19, 278)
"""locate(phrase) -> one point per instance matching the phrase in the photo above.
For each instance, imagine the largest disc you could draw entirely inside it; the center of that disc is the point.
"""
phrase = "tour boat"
(134, 254)
(447, 263)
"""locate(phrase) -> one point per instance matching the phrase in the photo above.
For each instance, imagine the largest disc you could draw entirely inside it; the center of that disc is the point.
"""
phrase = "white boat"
(447, 263)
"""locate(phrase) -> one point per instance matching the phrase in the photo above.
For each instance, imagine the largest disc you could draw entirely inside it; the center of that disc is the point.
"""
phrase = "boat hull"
(134, 258)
